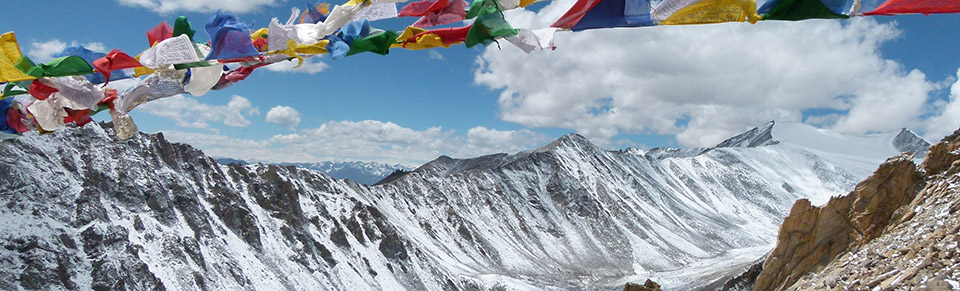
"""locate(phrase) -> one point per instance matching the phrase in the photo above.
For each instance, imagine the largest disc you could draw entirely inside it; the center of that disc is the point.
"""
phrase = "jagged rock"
(887, 234)
(649, 285)
(811, 237)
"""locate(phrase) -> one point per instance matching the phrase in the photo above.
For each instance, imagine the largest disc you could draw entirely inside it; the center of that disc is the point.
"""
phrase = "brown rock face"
(811, 237)
(650, 285)
(892, 228)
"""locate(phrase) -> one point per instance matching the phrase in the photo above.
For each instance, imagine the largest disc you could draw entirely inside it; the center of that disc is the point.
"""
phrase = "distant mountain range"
(367, 173)
(83, 210)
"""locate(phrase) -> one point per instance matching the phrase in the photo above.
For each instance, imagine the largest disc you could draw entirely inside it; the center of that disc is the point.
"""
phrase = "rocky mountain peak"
(906, 140)
(755, 137)
(570, 140)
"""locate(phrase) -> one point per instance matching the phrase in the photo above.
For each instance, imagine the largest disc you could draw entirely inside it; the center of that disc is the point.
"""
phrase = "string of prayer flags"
(9, 57)
(65, 89)
(896, 7)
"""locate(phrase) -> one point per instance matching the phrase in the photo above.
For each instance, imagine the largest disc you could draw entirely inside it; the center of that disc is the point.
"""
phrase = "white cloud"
(284, 116)
(41, 52)
(948, 119)
(310, 65)
(168, 6)
(703, 83)
(188, 112)
(436, 55)
(367, 140)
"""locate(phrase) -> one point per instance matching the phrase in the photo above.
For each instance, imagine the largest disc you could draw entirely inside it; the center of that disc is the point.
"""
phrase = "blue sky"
(644, 87)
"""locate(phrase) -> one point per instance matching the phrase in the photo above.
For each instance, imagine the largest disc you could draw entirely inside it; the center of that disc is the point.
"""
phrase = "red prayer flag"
(422, 8)
(109, 96)
(115, 60)
(894, 7)
(14, 117)
(573, 16)
(40, 90)
(159, 33)
(81, 117)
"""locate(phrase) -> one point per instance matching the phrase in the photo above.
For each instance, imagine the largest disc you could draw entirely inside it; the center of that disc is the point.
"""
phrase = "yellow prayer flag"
(715, 11)
(294, 50)
(425, 41)
(141, 71)
(9, 56)
(260, 33)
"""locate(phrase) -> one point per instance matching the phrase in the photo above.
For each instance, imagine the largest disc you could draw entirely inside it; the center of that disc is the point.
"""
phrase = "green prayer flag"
(59, 67)
(378, 43)
(800, 10)
(482, 6)
(66, 66)
(27, 66)
(181, 26)
(489, 25)
(9, 91)
(193, 65)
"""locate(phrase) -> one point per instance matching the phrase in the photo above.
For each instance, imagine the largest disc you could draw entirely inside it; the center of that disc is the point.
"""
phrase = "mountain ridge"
(566, 215)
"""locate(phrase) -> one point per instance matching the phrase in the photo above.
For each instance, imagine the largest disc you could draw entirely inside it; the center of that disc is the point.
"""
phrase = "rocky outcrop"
(897, 229)
(649, 285)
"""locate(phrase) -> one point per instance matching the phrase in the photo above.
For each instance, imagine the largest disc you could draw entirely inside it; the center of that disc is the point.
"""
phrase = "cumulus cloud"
(284, 116)
(168, 6)
(310, 66)
(188, 112)
(368, 140)
(703, 83)
(948, 118)
(44, 51)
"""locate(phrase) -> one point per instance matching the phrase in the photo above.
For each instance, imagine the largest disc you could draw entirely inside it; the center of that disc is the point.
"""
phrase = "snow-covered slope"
(83, 209)
(367, 173)
(858, 154)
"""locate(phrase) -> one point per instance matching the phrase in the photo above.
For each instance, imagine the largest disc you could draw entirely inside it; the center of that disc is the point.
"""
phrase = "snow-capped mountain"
(367, 173)
(85, 210)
